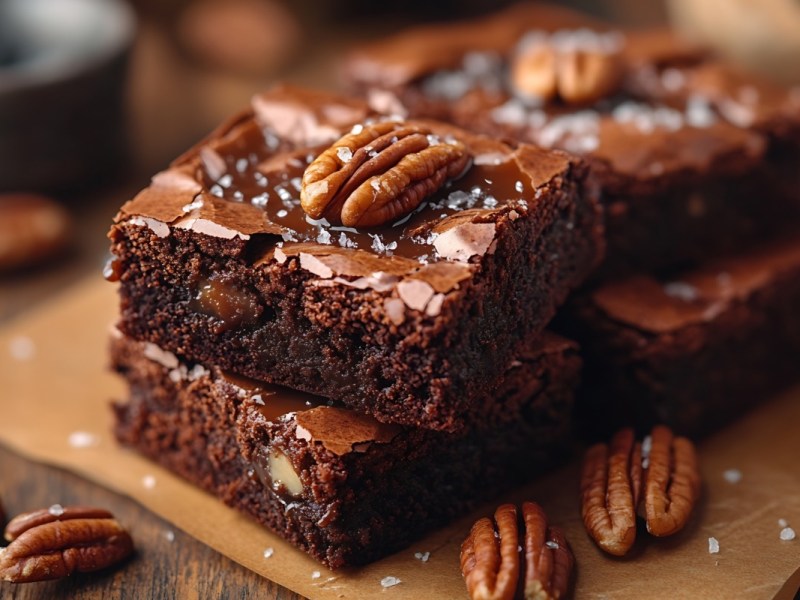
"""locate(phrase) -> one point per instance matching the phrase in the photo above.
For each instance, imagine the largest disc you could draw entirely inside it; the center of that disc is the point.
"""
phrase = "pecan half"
(575, 71)
(611, 482)
(672, 482)
(490, 556)
(379, 172)
(56, 542)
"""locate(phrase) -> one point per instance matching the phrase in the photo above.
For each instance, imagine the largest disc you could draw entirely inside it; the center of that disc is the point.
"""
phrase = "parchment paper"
(53, 383)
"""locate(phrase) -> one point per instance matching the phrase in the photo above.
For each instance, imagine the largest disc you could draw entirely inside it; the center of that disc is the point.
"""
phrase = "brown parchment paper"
(53, 383)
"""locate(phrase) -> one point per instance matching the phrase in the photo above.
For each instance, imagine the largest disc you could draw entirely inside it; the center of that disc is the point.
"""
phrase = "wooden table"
(167, 563)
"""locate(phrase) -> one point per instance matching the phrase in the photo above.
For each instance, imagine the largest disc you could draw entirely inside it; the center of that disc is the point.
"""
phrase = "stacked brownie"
(692, 317)
(349, 382)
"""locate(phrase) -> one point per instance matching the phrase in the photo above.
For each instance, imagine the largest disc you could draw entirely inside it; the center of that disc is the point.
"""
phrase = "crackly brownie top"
(647, 102)
(245, 181)
(697, 296)
(338, 430)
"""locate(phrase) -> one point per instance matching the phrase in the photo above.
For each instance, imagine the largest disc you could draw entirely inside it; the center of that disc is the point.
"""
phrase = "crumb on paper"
(22, 347)
(783, 523)
(788, 534)
(316, 575)
(83, 439)
(389, 581)
(732, 475)
(268, 552)
(713, 545)
(422, 556)
(149, 482)
(56, 510)
(169, 535)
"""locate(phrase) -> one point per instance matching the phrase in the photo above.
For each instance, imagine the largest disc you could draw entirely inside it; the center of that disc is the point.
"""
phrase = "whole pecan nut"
(56, 542)
(611, 482)
(379, 172)
(611, 486)
(575, 67)
(672, 482)
(491, 563)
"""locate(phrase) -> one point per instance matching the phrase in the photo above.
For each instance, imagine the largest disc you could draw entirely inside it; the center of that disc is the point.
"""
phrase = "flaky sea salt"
(149, 482)
(699, 112)
(169, 535)
(681, 291)
(268, 552)
(552, 545)
(324, 237)
(783, 523)
(56, 510)
(422, 556)
(261, 200)
(346, 242)
(647, 445)
(732, 475)
(389, 581)
(21, 347)
(344, 153)
(82, 439)
(713, 545)
(316, 575)
(788, 534)
(226, 180)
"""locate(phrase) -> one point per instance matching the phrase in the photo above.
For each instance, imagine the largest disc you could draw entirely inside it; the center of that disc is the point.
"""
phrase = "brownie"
(413, 322)
(694, 157)
(695, 350)
(337, 484)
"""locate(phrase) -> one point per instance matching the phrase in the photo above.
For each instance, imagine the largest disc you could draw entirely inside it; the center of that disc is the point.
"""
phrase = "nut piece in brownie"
(340, 485)
(693, 351)
(412, 321)
(694, 157)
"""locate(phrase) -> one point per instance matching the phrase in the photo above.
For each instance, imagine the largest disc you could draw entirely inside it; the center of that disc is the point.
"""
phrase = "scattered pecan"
(611, 483)
(490, 556)
(672, 482)
(56, 542)
(379, 172)
(572, 72)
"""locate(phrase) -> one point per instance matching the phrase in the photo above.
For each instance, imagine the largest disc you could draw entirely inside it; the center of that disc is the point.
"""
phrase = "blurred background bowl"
(62, 75)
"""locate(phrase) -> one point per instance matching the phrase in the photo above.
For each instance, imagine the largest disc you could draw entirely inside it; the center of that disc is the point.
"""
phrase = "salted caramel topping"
(487, 185)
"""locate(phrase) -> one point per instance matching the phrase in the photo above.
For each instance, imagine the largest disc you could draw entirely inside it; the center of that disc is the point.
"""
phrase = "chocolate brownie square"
(412, 322)
(693, 350)
(337, 484)
(694, 157)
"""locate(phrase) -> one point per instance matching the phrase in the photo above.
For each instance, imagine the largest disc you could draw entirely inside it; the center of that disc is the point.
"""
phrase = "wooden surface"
(167, 563)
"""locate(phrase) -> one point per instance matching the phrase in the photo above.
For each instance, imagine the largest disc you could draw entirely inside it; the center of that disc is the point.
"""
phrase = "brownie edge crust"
(348, 489)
